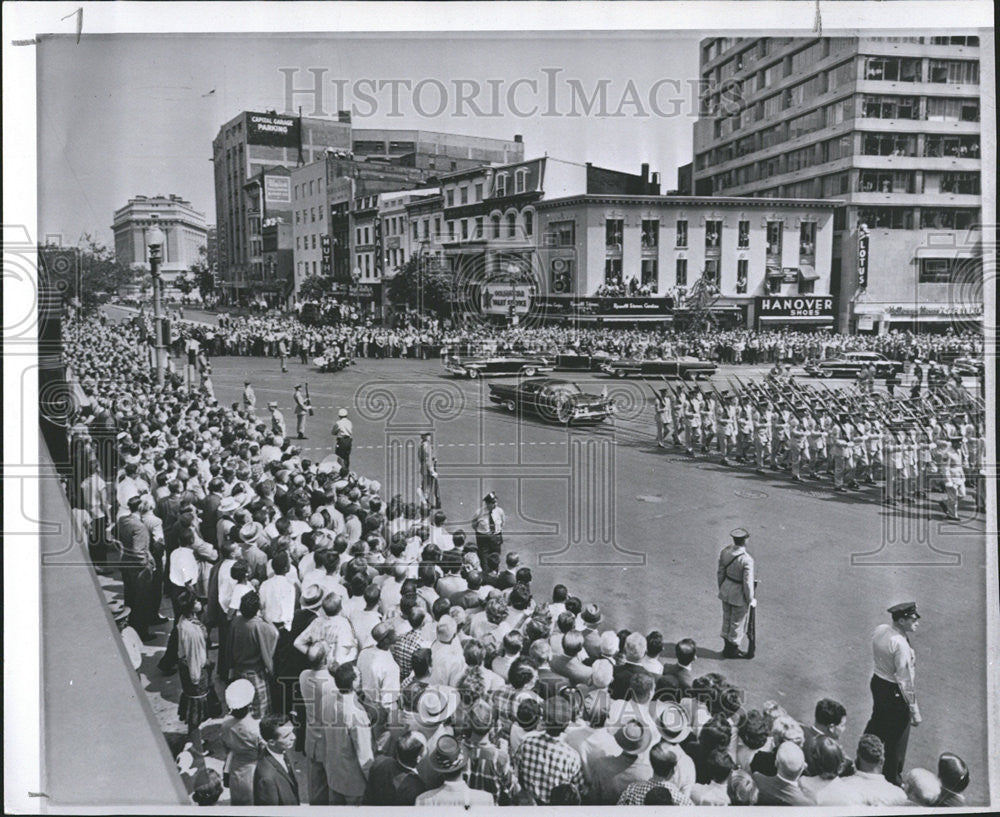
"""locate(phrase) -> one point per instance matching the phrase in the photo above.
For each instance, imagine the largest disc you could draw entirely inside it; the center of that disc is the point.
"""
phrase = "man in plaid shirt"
(663, 759)
(545, 760)
(408, 644)
(521, 680)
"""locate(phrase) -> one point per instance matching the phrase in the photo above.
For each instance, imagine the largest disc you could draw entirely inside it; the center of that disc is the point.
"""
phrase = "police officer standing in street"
(303, 409)
(735, 577)
(249, 398)
(894, 699)
(428, 472)
(343, 430)
(488, 526)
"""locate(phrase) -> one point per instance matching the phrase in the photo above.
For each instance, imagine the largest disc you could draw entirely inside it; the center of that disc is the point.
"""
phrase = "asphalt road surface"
(638, 530)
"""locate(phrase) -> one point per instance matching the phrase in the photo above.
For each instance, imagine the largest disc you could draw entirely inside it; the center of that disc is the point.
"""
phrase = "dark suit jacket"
(549, 683)
(210, 518)
(680, 677)
(272, 784)
(763, 762)
(390, 784)
(623, 675)
(773, 791)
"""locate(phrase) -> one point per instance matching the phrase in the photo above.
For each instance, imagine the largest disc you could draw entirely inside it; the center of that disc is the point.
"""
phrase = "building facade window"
(962, 147)
(953, 72)
(713, 236)
(841, 75)
(889, 144)
(948, 218)
(512, 225)
(682, 233)
(886, 218)
(952, 110)
(463, 195)
(742, 274)
(681, 272)
(807, 243)
(896, 69)
(612, 271)
(521, 180)
(614, 229)
(743, 235)
(449, 198)
(963, 183)
(500, 185)
(774, 234)
(478, 191)
(464, 224)
(650, 274)
(886, 181)
(562, 233)
(529, 222)
(890, 107)
(650, 233)
(479, 228)
(495, 221)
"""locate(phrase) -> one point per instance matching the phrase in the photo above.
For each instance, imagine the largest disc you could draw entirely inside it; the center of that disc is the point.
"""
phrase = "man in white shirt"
(867, 786)
(380, 679)
(438, 535)
(333, 629)
(277, 594)
(447, 657)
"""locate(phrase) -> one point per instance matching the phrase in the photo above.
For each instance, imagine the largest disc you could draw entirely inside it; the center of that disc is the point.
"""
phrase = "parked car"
(850, 363)
(528, 365)
(686, 368)
(555, 401)
(582, 361)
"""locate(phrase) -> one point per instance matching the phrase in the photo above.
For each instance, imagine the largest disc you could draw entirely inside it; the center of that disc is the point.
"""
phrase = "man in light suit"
(735, 577)
(274, 782)
(347, 740)
(784, 789)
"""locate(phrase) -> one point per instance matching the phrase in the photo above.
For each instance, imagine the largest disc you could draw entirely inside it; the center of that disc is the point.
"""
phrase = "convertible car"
(581, 361)
(473, 367)
(686, 368)
(968, 365)
(555, 401)
(850, 363)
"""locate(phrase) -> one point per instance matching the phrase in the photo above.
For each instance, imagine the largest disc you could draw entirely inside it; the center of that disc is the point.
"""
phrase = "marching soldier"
(842, 460)
(303, 407)
(954, 478)
(894, 698)
(925, 463)
(894, 454)
(343, 431)
(707, 423)
(817, 442)
(859, 442)
(277, 420)
(735, 578)
(692, 423)
(762, 434)
(726, 424)
(677, 417)
(798, 446)
(745, 438)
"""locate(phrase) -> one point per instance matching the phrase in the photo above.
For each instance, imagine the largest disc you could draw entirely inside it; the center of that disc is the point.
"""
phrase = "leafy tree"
(314, 288)
(99, 274)
(185, 283)
(421, 284)
(201, 276)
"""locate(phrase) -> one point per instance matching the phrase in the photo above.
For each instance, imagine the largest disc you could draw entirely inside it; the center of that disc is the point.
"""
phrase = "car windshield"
(565, 388)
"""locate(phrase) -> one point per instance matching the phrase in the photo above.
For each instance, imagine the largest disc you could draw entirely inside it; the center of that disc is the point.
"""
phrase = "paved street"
(638, 530)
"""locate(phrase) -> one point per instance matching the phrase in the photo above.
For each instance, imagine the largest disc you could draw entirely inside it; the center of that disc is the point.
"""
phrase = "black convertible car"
(555, 401)
(582, 361)
(686, 368)
(472, 367)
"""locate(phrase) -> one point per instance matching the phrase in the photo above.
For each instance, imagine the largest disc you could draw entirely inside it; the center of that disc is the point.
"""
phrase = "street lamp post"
(154, 241)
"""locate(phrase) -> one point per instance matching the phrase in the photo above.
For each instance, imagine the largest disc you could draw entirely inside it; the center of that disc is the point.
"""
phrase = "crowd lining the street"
(410, 662)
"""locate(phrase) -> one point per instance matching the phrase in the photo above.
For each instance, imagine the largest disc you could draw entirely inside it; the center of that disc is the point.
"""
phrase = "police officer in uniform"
(428, 471)
(249, 398)
(343, 430)
(894, 699)
(488, 526)
(303, 408)
(735, 577)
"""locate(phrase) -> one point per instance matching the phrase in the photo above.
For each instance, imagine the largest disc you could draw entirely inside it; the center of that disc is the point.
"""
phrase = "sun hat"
(672, 721)
(436, 704)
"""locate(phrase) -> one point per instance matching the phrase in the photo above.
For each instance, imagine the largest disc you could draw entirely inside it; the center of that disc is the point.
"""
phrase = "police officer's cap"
(740, 534)
(272, 404)
(906, 609)
(953, 772)
(298, 386)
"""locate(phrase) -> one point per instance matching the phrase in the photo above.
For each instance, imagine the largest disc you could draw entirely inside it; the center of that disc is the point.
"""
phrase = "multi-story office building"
(183, 226)
(253, 141)
(889, 125)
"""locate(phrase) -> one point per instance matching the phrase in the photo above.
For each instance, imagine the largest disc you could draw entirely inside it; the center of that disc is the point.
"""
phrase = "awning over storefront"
(774, 272)
(807, 273)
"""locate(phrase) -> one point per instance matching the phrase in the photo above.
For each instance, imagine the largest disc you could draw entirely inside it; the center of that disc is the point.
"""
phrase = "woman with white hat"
(242, 741)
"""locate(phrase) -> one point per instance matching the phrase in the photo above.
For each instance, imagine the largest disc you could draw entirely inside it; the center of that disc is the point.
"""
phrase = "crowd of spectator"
(399, 660)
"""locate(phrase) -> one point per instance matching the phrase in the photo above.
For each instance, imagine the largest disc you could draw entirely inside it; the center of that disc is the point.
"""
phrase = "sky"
(124, 115)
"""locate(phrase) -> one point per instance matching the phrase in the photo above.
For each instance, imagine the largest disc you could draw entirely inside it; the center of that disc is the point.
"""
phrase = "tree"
(202, 274)
(421, 284)
(99, 274)
(185, 283)
(314, 288)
